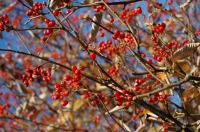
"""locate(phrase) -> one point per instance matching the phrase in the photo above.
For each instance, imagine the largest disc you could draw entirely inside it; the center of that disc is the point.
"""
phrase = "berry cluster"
(124, 96)
(113, 71)
(157, 97)
(118, 34)
(95, 98)
(49, 24)
(108, 47)
(123, 36)
(2, 108)
(127, 15)
(37, 7)
(159, 28)
(99, 8)
(159, 56)
(4, 20)
(96, 120)
(60, 94)
(73, 81)
(162, 52)
(31, 74)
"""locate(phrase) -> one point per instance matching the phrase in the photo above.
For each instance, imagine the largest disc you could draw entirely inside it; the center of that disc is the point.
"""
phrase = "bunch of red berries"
(159, 28)
(37, 7)
(49, 24)
(99, 8)
(4, 20)
(157, 97)
(127, 15)
(31, 74)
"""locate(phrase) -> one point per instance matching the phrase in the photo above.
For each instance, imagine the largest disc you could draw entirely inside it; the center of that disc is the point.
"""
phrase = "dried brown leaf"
(54, 4)
(94, 30)
(161, 75)
(30, 2)
(192, 93)
(184, 52)
(183, 65)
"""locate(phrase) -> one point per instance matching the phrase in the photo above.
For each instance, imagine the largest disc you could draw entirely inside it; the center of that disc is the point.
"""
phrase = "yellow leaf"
(77, 104)
(55, 104)
(183, 65)
(155, 129)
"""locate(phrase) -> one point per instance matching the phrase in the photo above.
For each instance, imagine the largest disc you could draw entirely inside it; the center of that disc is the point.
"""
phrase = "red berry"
(81, 68)
(111, 20)
(149, 86)
(148, 75)
(57, 85)
(134, 117)
(101, 34)
(141, 81)
(123, 92)
(117, 93)
(114, 37)
(159, 59)
(74, 68)
(117, 33)
(129, 97)
(128, 104)
(149, 61)
(55, 12)
(64, 102)
(153, 38)
(119, 103)
(163, 24)
(47, 20)
(92, 56)
(136, 88)
(139, 10)
(150, 99)
(68, 12)
(66, 93)
(155, 57)
(67, 77)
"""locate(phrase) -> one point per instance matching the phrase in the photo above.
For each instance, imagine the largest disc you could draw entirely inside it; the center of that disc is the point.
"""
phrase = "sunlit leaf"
(155, 129)
(77, 104)
(63, 116)
(183, 65)
(160, 75)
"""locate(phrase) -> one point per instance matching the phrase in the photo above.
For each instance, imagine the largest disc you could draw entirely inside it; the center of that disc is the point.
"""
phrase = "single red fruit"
(74, 68)
(92, 56)
(64, 102)
(128, 104)
(111, 20)
(134, 117)
(55, 12)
